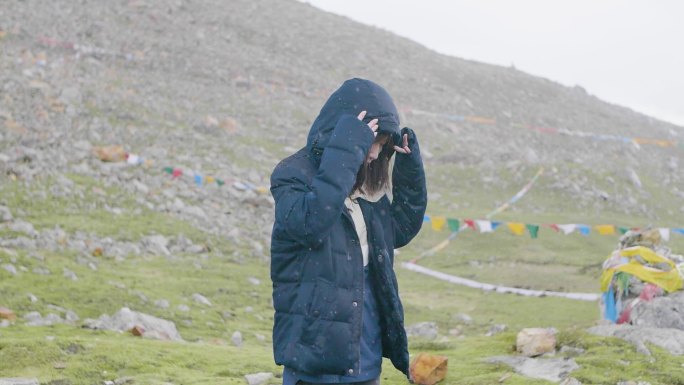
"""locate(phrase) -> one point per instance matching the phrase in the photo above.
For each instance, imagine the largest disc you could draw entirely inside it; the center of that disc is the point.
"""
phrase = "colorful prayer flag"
(584, 229)
(664, 233)
(516, 228)
(199, 179)
(454, 225)
(533, 230)
(470, 223)
(438, 223)
(484, 226)
(623, 230)
(568, 228)
(605, 229)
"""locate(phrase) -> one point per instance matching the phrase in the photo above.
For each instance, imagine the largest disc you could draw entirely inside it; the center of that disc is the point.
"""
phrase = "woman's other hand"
(373, 124)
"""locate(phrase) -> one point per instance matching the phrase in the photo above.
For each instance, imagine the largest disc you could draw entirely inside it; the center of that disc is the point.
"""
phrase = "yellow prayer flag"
(210, 179)
(262, 190)
(516, 228)
(605, 229)
(438, 223)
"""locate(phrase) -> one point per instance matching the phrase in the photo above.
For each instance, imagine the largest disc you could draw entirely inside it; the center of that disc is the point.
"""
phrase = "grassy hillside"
(226, 89)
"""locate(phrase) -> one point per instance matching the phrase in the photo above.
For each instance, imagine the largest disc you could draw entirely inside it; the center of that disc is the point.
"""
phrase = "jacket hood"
(355, 95)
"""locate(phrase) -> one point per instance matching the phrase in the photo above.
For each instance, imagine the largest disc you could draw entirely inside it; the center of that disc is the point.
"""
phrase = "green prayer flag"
(168, 170)
(533, 229)
(623, 230)
(454, 224)
(220, 182)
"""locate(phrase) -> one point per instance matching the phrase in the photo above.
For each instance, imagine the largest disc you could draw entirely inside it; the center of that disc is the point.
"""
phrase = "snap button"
(350, 371)
(316, 313)
(348, 257)
(355, 304)
(380, 258)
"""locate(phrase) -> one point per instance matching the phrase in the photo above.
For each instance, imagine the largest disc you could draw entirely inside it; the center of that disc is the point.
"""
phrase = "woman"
(337, 307)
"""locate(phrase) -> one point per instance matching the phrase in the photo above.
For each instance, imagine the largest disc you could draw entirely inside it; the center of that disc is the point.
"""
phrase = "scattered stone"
(19, 381)
(124, 380)
(125, 319)
(254, 281)
(669, 339)
(162, 303)
(427, 330)
(5, 214)
(59, 365)
(532, 342)
(464, 318)
(571, 351)
(236, 338)
(496, 329)
(10, 268)
(137, 330)
(4, 323)
(34, 318)
(41, 270)
(7, 314)
(258, 378)
(69, 274)
(20, 226)
(156, 245)
(32, 298)
(199, 298)
(183, 308)
(550, 369)
(570, 381)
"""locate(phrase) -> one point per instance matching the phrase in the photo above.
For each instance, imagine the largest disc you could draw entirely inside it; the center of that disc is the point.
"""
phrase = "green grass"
(553, 262)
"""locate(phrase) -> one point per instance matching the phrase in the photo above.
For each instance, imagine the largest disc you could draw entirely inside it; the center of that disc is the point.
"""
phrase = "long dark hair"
(374, 176)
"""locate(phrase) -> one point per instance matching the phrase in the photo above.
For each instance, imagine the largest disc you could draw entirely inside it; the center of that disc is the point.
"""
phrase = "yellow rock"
(428, 369)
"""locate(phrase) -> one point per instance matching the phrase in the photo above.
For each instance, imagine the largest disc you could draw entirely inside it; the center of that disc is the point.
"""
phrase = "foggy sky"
(626, 52)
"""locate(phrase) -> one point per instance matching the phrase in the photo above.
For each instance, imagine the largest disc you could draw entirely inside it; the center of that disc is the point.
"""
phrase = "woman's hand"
(373, 124)
(404, 149)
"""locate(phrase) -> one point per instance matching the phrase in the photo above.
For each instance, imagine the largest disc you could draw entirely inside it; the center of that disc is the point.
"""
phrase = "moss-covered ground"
(83, 356)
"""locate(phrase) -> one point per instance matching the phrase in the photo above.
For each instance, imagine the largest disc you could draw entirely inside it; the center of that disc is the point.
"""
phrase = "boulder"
(427, 330)
(550, 369)
(669, 339)
(126, 319)
(532, 342)
(258, 378)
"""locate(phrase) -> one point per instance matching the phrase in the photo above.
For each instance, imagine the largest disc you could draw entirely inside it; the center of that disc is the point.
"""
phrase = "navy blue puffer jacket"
(316, 259)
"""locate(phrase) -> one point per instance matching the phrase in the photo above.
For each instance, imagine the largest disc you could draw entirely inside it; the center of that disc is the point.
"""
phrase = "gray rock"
(633, 383)
(199, 298)
(571, 351)
(162, 303)
(236, 338)
(5, 214)
(496, 329)
(71, 316)
(427, 330)
(10, 268)
(258, 378)
(156, 245)
(69, 274)
(254, 281)
(550, 369)
(661, 312)
(4, 323)
(23, 227)
(463, 318)
(125, 319)
(41, 270)
(183, 308)
(669, 339)
(570, 381)
(32, 298)
(19, 381)
(633, 177)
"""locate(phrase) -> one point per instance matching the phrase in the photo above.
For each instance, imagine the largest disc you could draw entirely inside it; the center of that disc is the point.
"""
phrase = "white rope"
(496, 288)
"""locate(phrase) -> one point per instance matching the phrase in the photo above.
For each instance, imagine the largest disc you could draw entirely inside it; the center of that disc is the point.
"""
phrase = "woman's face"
(375, 149)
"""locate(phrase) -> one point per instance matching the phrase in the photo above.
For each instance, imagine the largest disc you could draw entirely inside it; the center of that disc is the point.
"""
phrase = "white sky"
(627, 52)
